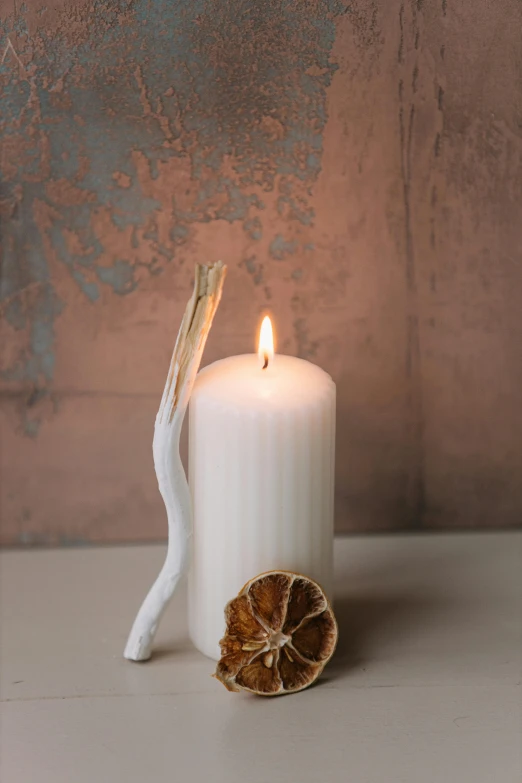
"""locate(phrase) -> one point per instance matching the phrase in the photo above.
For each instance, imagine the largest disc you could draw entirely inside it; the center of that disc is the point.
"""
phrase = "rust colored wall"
(359, 168)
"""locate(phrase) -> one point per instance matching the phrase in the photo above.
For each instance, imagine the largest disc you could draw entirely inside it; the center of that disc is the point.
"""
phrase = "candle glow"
(265, 349)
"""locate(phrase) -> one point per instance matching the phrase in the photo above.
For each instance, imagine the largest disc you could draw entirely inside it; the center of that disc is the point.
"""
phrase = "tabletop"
(425, 686)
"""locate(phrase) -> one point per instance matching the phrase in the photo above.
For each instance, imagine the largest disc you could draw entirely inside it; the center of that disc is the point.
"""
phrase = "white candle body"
(261, 475)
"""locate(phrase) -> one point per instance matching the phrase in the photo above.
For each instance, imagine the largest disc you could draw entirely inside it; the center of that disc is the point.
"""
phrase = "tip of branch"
(195, 326)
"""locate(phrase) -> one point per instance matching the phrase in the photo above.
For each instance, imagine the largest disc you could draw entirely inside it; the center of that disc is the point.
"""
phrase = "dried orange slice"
(281, 632)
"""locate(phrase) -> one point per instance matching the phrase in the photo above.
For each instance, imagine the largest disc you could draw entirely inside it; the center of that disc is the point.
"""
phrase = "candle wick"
(265, 365)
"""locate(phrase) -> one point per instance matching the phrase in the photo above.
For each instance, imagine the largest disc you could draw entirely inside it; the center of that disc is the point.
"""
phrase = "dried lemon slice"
(281, 632)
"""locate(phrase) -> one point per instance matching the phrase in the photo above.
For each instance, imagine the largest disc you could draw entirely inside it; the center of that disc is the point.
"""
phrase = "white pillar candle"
(261, 475)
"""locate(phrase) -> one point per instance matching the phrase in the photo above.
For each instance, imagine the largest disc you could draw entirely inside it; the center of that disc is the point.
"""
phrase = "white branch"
(172, 481)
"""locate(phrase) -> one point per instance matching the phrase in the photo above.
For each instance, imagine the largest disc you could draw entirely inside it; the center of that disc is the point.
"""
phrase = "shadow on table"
(370, 623)
(395, 596)
(175, 650)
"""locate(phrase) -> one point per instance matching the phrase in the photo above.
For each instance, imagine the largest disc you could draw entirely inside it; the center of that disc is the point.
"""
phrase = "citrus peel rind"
(280, 634)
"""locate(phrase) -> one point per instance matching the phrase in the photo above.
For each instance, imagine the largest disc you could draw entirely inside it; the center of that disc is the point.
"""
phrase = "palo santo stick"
(171, 477)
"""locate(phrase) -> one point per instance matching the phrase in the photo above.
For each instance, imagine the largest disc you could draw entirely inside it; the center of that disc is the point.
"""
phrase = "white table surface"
(425, 688)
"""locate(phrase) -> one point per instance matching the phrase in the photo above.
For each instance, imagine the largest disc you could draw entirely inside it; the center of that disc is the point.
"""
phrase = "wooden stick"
(172, 481)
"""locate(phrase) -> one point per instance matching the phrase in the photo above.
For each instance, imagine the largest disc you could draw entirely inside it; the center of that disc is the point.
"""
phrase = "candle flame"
(265, 350)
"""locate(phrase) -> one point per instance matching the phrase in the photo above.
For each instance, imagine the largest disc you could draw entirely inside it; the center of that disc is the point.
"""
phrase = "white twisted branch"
(172, 481)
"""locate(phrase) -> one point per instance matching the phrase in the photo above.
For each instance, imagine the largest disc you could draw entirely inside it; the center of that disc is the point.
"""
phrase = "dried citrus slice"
(281, 632)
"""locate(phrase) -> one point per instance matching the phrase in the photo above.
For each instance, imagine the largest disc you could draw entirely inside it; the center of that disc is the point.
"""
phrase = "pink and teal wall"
(357, 165)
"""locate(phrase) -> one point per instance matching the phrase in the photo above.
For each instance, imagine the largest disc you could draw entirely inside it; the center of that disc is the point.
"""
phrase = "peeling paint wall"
(359, 168)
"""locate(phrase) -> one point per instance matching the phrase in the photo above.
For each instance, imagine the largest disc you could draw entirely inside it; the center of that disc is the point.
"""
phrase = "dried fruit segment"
(246, 637)
(306, 599)
(280, 634)
(269, 599)
(296, 673)
(241, 621)
(315, 636)
(258, 676)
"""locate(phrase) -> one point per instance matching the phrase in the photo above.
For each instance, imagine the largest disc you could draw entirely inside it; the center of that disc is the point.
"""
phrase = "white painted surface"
(262, 477)
(425, 688)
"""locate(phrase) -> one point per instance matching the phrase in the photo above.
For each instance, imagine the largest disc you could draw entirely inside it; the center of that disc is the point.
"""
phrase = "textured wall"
(359, 168)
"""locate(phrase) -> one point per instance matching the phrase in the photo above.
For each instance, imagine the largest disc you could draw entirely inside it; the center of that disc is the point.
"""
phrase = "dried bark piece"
(281, 632)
